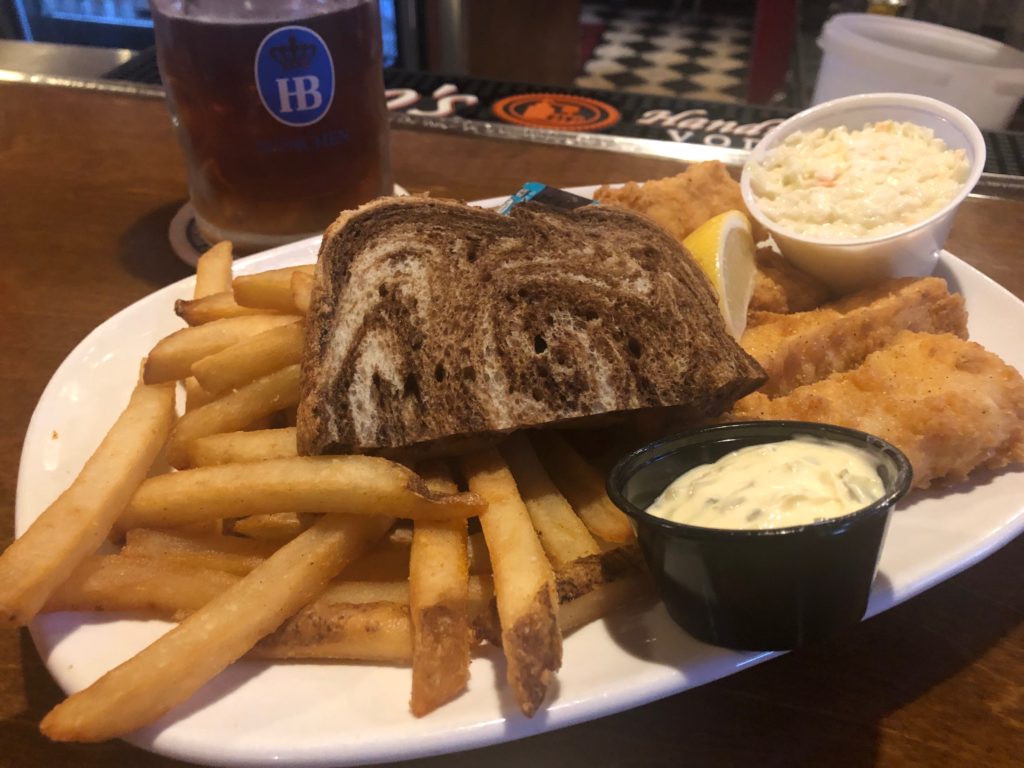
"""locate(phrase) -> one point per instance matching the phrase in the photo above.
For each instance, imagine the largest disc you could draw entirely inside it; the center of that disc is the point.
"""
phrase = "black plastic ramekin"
(772, 589)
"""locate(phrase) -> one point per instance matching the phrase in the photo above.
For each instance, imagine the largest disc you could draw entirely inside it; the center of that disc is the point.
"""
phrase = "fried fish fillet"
(802, 348)
(779, 287)
(681, 203)
(950, 405)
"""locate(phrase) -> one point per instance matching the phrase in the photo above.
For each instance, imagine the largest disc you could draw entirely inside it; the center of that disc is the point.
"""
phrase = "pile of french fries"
(258, 552)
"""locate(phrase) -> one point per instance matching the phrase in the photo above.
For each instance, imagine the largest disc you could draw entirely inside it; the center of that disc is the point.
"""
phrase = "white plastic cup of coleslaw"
(850, 259)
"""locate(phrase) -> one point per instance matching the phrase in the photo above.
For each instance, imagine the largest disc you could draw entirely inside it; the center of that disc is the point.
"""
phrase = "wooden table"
(89, 184)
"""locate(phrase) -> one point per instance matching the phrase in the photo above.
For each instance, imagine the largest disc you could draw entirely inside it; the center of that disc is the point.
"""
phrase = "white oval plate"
(322, 714)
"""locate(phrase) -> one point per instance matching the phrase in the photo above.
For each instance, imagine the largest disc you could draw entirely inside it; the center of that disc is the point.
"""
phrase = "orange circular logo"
(560, 111)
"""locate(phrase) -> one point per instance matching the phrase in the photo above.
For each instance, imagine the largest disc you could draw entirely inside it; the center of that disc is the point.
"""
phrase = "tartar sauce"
(775, 485)
(843, 184)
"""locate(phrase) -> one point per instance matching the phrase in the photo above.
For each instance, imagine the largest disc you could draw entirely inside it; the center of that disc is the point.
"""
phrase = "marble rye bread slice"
(432, 322)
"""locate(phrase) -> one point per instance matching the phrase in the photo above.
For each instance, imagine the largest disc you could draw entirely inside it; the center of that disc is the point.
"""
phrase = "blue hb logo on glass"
(295, 75)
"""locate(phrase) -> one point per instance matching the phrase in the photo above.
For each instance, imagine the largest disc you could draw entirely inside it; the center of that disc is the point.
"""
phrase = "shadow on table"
(144, 249)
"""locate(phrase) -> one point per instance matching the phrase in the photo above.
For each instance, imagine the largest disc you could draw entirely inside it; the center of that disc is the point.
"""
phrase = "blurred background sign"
(777, 56)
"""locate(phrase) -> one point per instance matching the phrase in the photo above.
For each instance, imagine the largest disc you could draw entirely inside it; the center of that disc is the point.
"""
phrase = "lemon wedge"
(724, 248)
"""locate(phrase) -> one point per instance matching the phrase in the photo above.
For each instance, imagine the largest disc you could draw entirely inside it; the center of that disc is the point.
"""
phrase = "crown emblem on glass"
(293, 56)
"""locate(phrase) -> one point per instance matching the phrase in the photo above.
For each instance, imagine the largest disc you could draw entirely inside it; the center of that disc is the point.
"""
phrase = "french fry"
(250, 359)
(166, 587)
(360, 629)
(562, 534)
(438, 478)
(524, 583)
(172, 588)
(438, 589)
(302, 290)
(387, 561)
(80, 519)
(216, 306)
(378, 632)
(232, 554)
(479, 558)
(213, 271)
(271, 289)
(343, 591)
(195, 395)
(202, 528)
(583, 575)
(170, 670)
(173, 356)
(600, 601)
(360, 485)
(242, 447)
(234, 412)
(584, 608)
(356, 618)
(583, 486)
(272, 527)
(352, 620)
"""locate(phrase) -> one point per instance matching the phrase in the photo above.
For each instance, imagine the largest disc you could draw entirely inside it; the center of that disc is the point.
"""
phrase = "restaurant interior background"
(729, 51)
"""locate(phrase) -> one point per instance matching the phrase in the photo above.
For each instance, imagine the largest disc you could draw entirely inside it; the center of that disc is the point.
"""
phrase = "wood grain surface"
(89, 184)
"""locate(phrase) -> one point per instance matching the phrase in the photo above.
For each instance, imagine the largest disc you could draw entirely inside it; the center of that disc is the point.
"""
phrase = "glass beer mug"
(279, 107)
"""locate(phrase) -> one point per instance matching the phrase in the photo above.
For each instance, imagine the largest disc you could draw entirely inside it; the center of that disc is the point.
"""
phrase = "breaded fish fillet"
(804, 347)
(950, 405)
(681, 203)
(780, 287)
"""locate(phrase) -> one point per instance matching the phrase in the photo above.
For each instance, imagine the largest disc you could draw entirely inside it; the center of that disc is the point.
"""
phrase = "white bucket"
(870, 53)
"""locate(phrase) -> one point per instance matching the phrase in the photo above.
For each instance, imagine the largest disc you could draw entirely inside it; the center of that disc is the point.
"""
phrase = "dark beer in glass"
(279, 107)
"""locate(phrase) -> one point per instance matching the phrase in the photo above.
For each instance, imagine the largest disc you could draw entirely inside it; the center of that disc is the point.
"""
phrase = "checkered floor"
(652, 51)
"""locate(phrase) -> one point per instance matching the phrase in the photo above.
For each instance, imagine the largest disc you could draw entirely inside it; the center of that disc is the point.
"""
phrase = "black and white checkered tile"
(654, 51)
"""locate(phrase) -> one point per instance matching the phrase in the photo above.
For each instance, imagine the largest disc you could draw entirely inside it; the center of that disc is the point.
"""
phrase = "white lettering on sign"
(400, 98)
(447, 97)
(698, 120)
(722, 126)
(667, 119)
(305, 91)
(695, 123)
(717, 140)
(654, 117)
(714, 139)
(448, 100)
